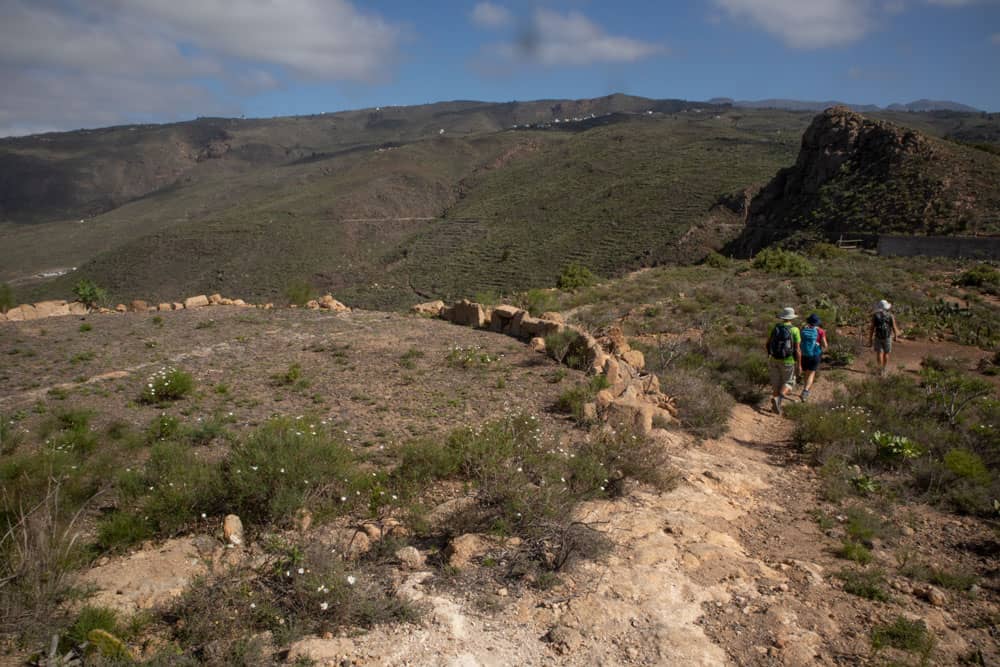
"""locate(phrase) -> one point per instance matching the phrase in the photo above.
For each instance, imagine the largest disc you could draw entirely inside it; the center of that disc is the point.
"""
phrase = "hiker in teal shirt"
(784, 357)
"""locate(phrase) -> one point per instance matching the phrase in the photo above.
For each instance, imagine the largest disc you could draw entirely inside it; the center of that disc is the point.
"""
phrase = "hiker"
(784, 357)
(814, 344)
(882, 331)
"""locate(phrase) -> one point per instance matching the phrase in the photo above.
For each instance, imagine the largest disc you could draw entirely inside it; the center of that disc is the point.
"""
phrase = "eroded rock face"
(888, 172)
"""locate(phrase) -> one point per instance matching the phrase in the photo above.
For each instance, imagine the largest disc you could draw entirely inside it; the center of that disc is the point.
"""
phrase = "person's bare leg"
(810, 377)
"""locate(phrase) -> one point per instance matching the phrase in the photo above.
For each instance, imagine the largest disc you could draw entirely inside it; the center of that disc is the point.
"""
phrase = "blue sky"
(67, 64)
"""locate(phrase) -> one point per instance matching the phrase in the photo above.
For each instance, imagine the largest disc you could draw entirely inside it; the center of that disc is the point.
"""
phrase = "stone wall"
(632, 398)
(44, 309)
(963, 247)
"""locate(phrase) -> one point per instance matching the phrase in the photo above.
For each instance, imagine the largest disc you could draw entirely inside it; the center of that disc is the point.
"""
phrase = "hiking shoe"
(805, 395)
(775, 406)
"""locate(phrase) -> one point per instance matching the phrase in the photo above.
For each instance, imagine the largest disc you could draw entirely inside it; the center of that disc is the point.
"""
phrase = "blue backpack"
(810, 342)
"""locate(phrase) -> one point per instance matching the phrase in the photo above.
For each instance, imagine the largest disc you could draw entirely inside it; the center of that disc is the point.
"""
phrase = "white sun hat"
(787, 314)
(884, 305)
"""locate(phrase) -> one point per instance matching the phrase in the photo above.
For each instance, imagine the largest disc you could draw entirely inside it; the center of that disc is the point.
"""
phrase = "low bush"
(575, 276)
(867, 584)
(783, 262)
(167, 384)
(535, 301)
(983, 276)
(851, 550)
(573, 400)
(568, 347)
(300, 292)
(958, 580)
(88, 293)
(474, 356)
(93, 618)
(703, 406)
(6, 298)
(903, 634)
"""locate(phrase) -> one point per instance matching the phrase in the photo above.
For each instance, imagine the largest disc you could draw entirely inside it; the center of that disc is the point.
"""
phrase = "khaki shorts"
(782, 374)
(882, 345)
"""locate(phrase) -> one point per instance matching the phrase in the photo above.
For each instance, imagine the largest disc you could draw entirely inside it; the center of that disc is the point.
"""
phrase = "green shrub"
(88, 293)
(287, 464)
(958, 580)
(10, 435)
(575, 276)
(474, 356)
(903, 634)
(85, 327)
(703, 405)
(895, 447)
(6, 298)
(868, 584)
(568, 347)
(166, 384)
(717, 261)
(120, 530)
(572, 401)
(163, 427)
(967, 465)
(825, 251)
(981, 275)
(864, 526)
(536, 301)
(300, 292)
(783, 262)
(180, 487)
(92, 618)
(851, 550)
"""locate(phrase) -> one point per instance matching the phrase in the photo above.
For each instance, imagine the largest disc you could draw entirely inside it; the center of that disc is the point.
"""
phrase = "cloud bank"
(69, 63)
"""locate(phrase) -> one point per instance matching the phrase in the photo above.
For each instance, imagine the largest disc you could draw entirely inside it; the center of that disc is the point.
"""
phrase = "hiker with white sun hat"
(784, 353)
(882, 331)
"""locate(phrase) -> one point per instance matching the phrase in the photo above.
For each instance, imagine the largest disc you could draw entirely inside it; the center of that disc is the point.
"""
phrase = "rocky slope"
(857, 175)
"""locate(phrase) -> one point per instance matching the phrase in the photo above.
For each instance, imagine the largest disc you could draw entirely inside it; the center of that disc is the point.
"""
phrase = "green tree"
(89, 293)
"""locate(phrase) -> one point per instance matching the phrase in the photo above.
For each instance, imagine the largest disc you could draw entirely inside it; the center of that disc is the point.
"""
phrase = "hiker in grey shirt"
(882, 331)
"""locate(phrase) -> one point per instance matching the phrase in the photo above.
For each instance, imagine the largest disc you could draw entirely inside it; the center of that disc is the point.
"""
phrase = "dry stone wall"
(632, 398)
(45, 309)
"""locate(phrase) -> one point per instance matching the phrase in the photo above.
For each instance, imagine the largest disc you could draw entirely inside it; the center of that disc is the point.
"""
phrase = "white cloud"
(74, 64)
(489, 15)
(554, 39)
(805, 24)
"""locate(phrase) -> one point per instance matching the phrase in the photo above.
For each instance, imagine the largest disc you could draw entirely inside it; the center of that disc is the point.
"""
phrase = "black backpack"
(883, 325)
(780, 346)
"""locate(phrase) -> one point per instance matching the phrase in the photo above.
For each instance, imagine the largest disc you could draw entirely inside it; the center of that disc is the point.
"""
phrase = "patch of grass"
(167, 384)
(865, 526)
(867, 584)
(903, 634)
(409, 358)
(120, 530)
(293, 377)
(573, 400)
(85, 327)
(474, 356)
(783, 262)
(703, 405)
(957, 580)
(81, 357)
(93, 618)
(851, 550)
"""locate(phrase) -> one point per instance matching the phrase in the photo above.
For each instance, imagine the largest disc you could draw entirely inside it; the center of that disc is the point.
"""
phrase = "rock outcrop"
(860, 176)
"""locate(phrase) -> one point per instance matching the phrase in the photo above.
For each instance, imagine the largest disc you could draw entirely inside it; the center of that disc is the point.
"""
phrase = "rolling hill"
(390, 205)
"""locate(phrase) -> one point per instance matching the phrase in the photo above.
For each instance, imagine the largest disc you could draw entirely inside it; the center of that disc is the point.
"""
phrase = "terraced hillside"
(383, 208)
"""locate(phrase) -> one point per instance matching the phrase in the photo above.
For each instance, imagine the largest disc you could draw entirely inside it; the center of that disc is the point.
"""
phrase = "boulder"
(78, 308)
(239, 302)
(164, 306)
(329, 303)
(3, 317)
(138, 306)
(226, 302)
(268, 306)
(199, 301)
(22, 313)
(631, 414)
(513, 328)
(121, 308)
(590, 412)
(232, 528)
(51, 309)
(634, 358)
(552, 316)
(604, 398)
(177, 305)
(501, 318)
(428, 309)
(612, 372)
(312, 304)
(464, 548)
(411, 558)
(468, 313)
(537, 344)
(215, 299)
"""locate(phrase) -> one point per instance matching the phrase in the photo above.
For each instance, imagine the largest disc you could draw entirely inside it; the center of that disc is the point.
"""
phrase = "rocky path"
(679, 567)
